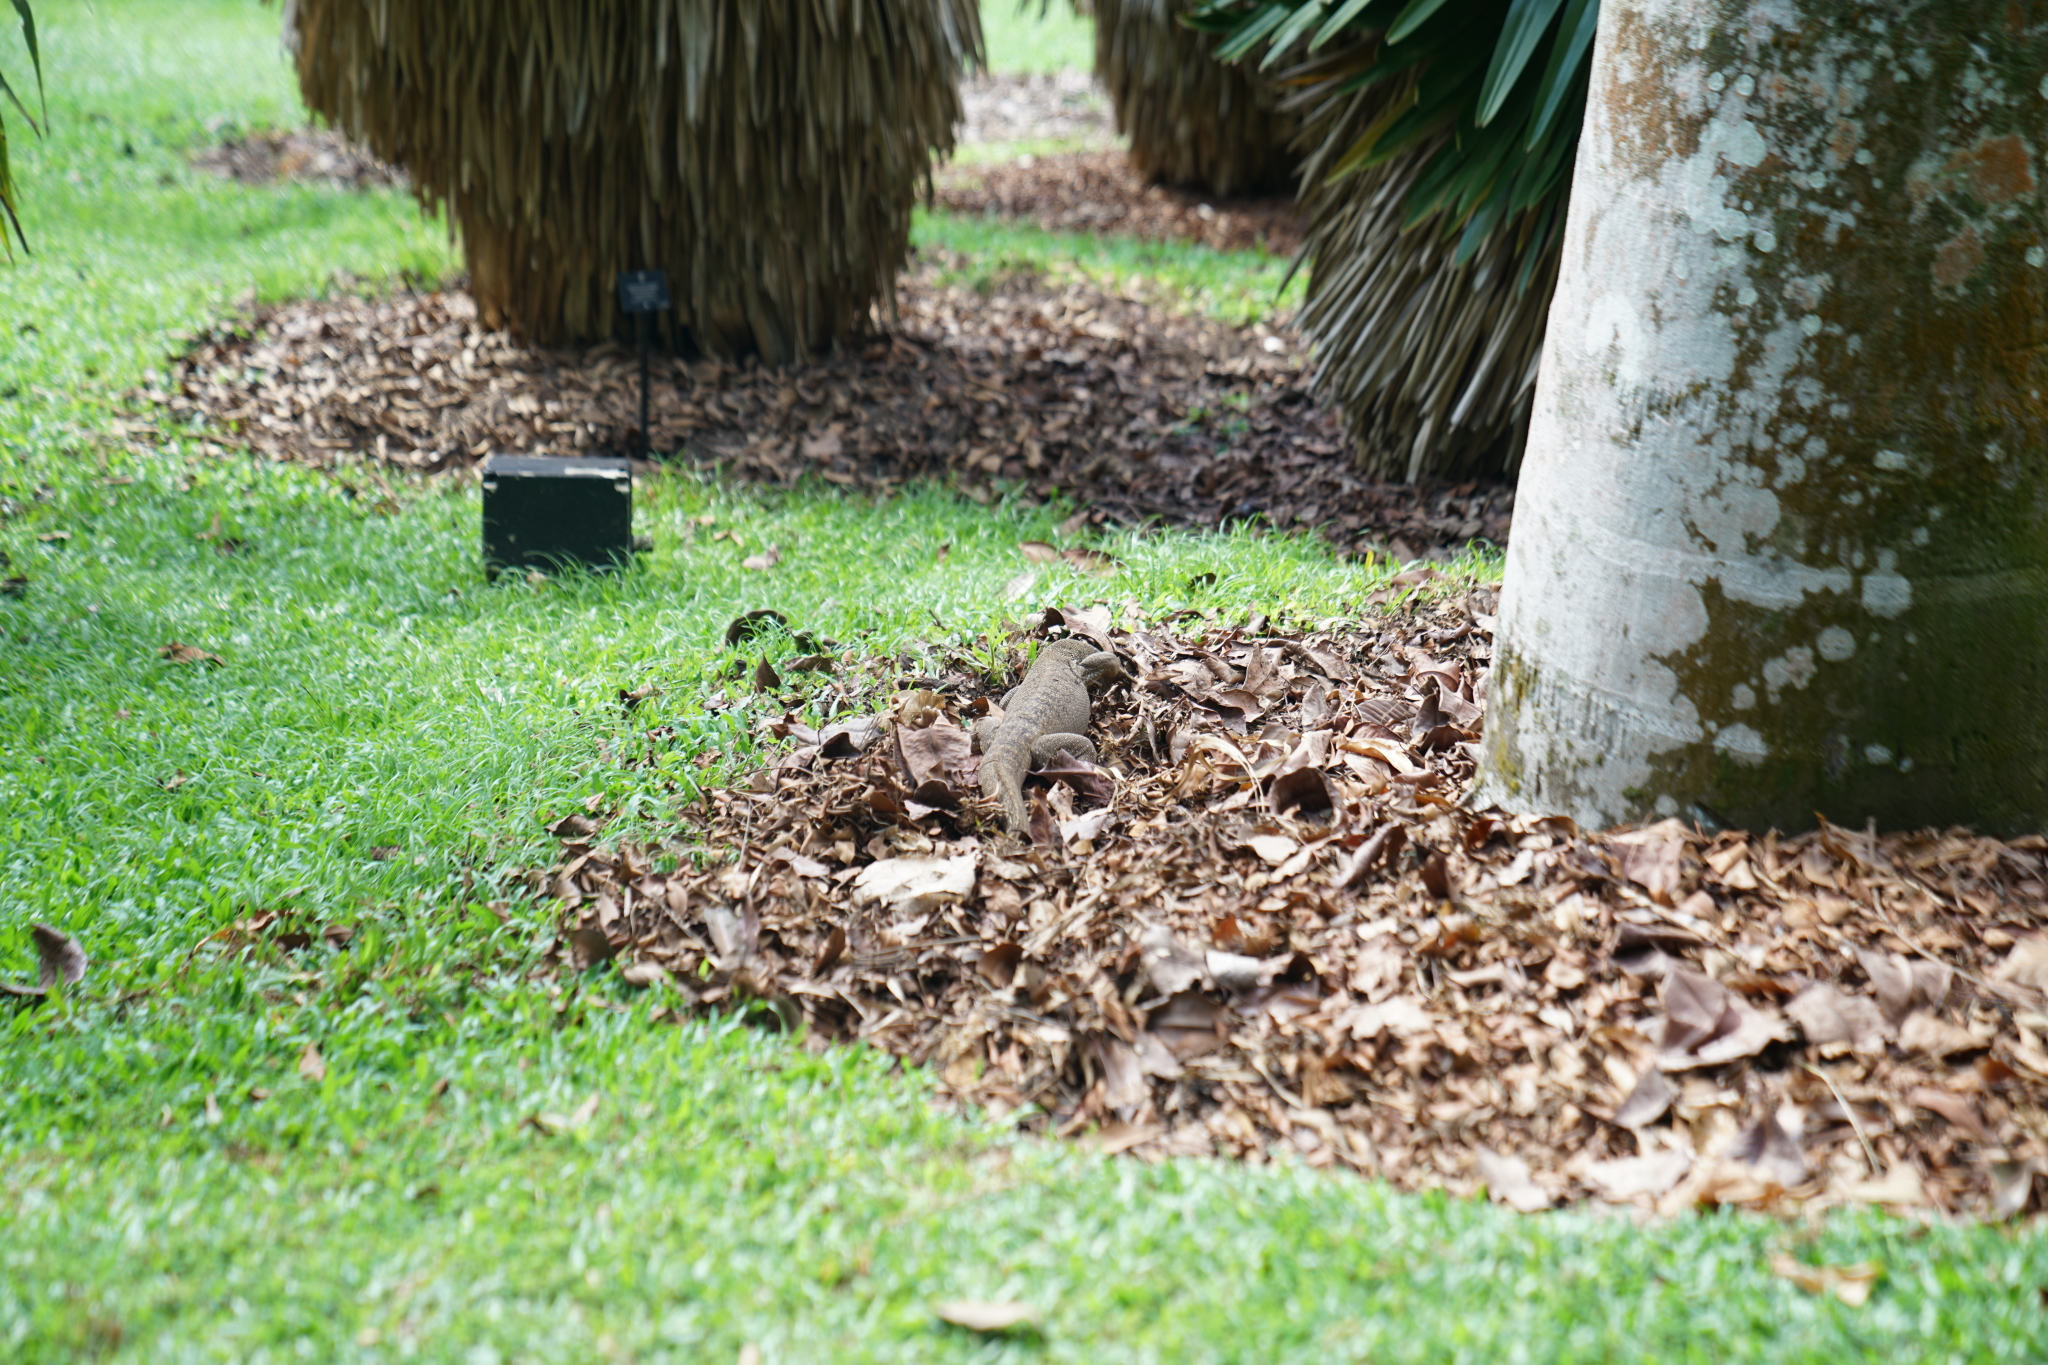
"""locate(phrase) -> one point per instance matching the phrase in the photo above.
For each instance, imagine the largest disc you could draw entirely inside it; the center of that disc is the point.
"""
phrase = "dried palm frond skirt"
(764, 153)
(1193, 121)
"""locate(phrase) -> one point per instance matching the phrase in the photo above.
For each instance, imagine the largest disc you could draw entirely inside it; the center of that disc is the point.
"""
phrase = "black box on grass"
(544, 511)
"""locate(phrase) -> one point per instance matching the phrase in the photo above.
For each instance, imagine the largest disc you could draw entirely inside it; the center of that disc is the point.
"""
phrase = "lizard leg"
(985, 728)
(1045, 746)
(1101, 666)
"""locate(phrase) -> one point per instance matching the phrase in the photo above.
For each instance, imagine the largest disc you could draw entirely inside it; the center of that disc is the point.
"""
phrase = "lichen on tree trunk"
(1780, 545)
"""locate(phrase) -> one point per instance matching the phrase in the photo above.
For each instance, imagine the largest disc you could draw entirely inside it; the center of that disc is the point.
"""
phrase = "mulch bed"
(1099, 192)
(1271, 924)
(1046, 387)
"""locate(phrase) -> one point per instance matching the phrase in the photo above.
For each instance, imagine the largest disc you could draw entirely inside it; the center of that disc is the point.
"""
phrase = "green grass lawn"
(1036, 36)
(179, 1182)
(1236, 286)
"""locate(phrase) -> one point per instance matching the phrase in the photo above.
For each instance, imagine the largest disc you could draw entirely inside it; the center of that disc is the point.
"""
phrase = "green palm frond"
(1441, 136)
(1494, 87)
(1427, 347)
(10, 203)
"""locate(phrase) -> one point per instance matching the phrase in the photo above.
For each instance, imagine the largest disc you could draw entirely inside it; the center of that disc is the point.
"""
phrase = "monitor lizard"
(1044, 715)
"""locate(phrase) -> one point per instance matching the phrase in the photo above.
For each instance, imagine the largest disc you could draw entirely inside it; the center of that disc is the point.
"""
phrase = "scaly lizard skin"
(1043, 716)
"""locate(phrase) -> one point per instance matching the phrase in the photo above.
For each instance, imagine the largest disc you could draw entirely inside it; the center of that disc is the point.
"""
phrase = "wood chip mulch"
(1099, 192)
(1044, 387)
(1270, 924)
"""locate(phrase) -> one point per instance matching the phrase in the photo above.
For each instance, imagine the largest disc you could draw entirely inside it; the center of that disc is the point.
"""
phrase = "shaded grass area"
(178, 1182)
(1236, 286)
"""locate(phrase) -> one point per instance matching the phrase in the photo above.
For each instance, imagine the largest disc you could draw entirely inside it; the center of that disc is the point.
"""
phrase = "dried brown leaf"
(2012, 1188)
(1904, 984)
(1766, 1148)
(743, 628)
(1931, 1036)
(1171, 965)
(1957, 1109)
(2027, 963)
(643, 974)
(1508, 1181)
(1092, 562)
(554, 1125)
(178, 653)
(916, 884)
(1826, 1015)
(984, 1315)
(1852, 1284)
(1623, 1179)
(1649, 1100)
(935, 751)
(59, 959)
(845, 739)
(587, 948)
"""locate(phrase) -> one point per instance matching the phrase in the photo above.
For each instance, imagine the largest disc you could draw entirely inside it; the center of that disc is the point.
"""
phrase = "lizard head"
(1095, 667)
(1066, 651)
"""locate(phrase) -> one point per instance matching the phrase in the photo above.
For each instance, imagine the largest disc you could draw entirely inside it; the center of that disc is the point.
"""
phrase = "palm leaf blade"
(1442, 146)
(1528, 21)
(1567, 64)
(1412, 18)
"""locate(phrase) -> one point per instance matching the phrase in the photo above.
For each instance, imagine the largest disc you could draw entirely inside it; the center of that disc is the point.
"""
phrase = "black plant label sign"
(643, 291)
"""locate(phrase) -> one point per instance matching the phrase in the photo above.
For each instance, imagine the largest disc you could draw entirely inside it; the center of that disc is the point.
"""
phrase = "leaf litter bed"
(1271, 923)
(1033, 387)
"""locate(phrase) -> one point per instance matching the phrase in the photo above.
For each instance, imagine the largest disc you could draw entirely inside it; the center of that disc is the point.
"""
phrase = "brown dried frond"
(765, 153)
(1432, 363)
(1193, 121)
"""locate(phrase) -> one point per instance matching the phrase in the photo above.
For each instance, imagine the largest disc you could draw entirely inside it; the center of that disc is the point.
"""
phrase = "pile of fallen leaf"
(319, 155)
(1268, 923)
(1099, 192)
(1049, 387)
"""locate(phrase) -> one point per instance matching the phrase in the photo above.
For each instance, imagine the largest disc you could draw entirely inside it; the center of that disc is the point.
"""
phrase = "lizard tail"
(1008, 788)
(1015, 811)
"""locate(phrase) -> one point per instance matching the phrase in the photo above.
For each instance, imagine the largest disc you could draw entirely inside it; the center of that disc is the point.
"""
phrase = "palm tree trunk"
(1779, 546)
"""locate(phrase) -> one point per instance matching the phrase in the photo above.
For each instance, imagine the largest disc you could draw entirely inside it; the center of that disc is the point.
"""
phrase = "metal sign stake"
(642, 292)
(646, 437)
